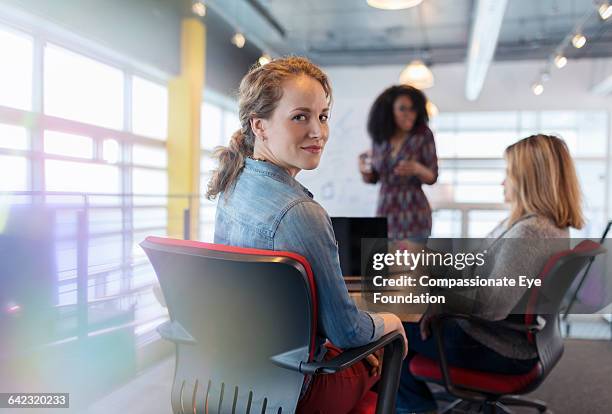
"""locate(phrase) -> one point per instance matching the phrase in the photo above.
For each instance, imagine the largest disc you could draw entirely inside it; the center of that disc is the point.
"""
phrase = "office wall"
(337, 184)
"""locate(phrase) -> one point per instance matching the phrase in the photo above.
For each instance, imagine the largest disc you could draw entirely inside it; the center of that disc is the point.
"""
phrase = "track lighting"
(560, 61)
(238, 40)
(579, 40)
(537, 88)
(199, 8)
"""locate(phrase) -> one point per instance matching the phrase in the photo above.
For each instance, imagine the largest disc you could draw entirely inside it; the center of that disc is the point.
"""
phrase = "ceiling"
(349, 32)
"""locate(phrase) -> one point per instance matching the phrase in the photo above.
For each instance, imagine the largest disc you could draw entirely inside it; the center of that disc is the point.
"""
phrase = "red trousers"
(337, 393)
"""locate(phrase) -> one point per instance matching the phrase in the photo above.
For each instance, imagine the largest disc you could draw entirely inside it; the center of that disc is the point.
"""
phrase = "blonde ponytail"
(231, 161)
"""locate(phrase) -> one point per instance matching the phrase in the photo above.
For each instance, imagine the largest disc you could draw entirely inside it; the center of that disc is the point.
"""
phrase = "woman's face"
(296, 133)
(404, 113)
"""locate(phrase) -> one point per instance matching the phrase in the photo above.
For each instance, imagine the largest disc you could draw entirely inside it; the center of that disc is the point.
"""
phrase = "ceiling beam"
(602, 77)
(267, 16)
(222, 8)
(604, 87)
(488, 17)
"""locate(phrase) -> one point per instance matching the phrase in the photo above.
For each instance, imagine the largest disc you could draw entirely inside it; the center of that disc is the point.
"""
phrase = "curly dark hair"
(381, 122)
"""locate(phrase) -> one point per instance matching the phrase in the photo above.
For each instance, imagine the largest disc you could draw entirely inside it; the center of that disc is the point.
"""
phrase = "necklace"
(257, 159)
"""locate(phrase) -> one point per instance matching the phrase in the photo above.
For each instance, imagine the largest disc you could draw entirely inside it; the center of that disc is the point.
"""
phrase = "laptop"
(349, 233)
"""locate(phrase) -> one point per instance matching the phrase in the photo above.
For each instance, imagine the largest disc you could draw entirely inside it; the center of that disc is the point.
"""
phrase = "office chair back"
(537, 316)
(545, 302)
(231, 311)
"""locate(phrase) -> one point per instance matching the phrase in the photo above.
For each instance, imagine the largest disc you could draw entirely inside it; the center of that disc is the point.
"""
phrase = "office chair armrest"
(174, 332)
(392, 364)
(351, 356)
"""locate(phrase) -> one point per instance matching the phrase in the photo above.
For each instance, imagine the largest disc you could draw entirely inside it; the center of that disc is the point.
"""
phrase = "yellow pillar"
(184, 98)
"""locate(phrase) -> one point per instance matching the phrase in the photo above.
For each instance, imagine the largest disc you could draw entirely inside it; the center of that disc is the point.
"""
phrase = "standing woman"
(403, 157)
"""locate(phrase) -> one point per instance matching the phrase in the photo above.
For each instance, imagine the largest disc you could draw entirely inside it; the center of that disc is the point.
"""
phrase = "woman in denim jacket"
(283, 110)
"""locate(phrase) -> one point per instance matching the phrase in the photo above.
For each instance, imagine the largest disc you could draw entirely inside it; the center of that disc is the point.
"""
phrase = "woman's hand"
(411, 168)
(393, 323)
(375, 361)
(365, 167)
(408, 168)
(365, 162)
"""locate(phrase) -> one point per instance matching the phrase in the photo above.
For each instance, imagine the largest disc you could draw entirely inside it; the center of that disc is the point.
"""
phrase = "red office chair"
(489, 391)
(244, 322)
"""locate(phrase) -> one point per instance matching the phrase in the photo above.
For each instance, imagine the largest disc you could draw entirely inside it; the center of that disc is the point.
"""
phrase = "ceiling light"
(605, 10)
(393, 4)
(560, 61)
(264, 59)
(417, 74)
(199, 8)
(537, 88)
(238, 40)
(432, 109)
(578, 40)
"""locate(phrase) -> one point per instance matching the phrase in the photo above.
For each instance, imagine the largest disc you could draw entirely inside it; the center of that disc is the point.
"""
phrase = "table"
(354, 286)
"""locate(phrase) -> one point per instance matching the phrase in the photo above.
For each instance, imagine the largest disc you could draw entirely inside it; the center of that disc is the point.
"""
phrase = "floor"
(581, 382)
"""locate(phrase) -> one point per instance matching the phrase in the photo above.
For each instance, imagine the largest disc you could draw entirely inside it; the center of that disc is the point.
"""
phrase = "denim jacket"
(269, 209)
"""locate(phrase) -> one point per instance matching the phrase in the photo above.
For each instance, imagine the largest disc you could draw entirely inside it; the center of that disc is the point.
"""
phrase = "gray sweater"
(539, 239)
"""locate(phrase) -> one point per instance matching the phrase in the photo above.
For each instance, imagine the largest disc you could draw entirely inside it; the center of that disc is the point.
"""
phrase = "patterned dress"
(401, 199)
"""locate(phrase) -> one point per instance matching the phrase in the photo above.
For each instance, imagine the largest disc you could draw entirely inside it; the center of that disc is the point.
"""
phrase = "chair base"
(524, 402)
(500, 406)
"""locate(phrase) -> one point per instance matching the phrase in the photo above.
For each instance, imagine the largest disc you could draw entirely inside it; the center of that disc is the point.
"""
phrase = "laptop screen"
(349, 231)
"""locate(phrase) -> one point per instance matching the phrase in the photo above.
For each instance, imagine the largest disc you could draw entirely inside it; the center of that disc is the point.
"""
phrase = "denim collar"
(275, 172)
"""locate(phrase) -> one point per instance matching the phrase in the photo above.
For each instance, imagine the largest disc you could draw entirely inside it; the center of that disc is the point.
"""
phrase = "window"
(446, 144)
(471, 146)
(446, 223)
(231, 124)
(81, 177)
(149, 156)
(61, 143)
(105, 220)
(482, 144)
(219, 122)
(14, 173)
(82, 89)
(15, 70)
(104, 253)
(13, 137)
(486, 121)
(111, 151)
(482, 222)
(207, 165)
(149, 108)
(151, 217)
(148, 181)
(211, 129)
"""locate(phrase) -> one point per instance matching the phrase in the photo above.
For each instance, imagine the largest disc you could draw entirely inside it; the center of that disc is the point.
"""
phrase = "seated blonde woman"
(542, 189)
